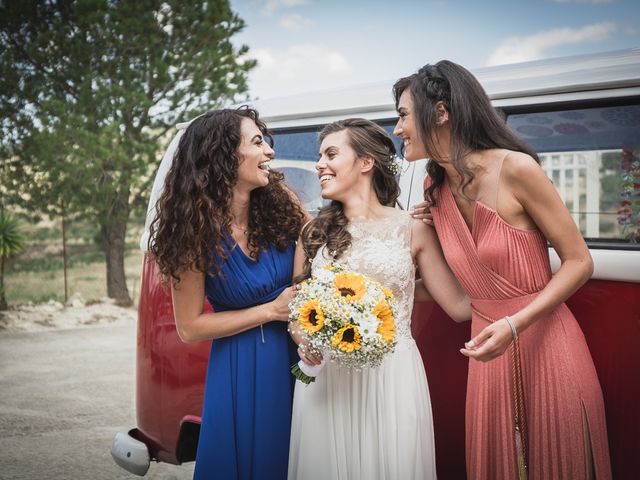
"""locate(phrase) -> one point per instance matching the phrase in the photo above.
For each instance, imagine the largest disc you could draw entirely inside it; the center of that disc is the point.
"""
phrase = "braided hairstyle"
(330, 226)
(475, 124)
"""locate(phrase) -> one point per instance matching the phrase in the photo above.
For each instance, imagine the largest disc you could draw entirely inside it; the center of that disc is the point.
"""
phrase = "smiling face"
(407, 129)
(338, 166)
(254, 155)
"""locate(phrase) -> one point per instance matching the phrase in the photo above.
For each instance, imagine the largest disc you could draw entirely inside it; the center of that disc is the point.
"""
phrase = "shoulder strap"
(498, 177)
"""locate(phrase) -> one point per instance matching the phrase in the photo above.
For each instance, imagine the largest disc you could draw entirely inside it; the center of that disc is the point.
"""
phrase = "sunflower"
(311, 316)
(387, 292)
(387, 327)
(347, 339)
(350, 286)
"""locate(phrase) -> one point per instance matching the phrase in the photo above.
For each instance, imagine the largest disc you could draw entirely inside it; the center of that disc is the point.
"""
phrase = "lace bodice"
(381, 249)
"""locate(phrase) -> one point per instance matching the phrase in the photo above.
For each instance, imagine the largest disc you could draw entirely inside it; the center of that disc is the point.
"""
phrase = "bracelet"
(514, 332)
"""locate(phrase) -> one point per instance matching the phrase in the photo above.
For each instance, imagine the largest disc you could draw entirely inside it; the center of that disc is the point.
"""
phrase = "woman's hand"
(490, 343)
(280, 306)
(421, 211)
(308, 356)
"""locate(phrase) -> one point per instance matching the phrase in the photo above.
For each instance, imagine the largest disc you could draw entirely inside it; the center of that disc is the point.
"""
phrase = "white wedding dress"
(375, 423)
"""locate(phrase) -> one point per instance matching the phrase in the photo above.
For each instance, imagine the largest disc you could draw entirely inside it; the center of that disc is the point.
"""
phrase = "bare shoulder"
(519, 163)
(305, 226)
(422, 234)
(393, 215)
(523, 174)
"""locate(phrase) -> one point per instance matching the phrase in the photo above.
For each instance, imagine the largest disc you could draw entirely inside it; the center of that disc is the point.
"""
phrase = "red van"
(582, 114)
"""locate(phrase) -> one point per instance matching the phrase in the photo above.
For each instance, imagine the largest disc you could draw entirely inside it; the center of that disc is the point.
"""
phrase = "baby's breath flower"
(394, 165)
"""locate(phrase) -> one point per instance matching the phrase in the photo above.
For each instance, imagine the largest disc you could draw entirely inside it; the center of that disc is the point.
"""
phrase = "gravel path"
(64, 393)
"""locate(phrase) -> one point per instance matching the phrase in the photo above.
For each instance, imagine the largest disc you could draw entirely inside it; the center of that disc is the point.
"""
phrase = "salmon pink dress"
(502, 268)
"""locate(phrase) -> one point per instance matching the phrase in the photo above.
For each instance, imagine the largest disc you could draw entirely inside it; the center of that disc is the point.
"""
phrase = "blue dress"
(246, 416)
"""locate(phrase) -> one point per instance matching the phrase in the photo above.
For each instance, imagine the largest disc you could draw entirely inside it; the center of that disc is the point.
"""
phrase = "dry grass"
(89, 279)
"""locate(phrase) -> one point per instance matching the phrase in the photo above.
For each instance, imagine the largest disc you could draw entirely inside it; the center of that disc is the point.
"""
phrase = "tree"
(89, 90)
(11, 243)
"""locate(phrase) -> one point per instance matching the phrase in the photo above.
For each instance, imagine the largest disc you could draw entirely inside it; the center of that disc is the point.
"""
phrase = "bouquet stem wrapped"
(307, 373)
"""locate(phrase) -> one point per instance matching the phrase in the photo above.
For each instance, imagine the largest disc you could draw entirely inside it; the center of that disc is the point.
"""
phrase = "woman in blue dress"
(225, 229)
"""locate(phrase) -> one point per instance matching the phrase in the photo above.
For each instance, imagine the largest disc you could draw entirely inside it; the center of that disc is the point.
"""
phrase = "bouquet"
(345, 316)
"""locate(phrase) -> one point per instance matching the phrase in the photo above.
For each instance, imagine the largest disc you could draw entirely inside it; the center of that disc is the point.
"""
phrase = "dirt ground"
(55, 316)
(67, 383)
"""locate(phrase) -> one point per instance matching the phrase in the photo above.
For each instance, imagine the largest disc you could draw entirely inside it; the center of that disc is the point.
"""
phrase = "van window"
(297, 144)
(592, 155)
(296, 156)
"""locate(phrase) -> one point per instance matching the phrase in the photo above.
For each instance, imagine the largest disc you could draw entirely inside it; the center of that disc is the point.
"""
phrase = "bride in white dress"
(375, 423)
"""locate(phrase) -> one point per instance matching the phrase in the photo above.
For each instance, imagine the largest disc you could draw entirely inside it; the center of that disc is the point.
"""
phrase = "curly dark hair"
(330, 226)
(193, 221)
(475, 124)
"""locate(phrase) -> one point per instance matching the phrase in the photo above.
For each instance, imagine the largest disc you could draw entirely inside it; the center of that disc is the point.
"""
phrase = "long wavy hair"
(330, 226)
(475, 124)
(192, 224)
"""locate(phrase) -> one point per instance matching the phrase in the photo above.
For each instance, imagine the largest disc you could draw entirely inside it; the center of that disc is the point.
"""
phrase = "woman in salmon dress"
(537, 410)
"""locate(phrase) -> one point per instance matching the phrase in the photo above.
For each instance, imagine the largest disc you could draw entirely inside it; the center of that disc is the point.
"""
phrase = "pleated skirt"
(562, 398)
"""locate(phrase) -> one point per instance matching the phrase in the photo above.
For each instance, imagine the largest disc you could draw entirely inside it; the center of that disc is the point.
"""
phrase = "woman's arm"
(421, 294)
(193, 325)
(527, 186)
(299, 259)
(438, 278)
(307, 356)
(298, 265)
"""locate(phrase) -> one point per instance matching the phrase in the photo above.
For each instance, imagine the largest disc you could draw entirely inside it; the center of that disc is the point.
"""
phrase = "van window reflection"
(592, 156)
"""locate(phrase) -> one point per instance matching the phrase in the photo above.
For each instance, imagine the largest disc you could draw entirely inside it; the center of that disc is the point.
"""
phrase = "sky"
(307, 45)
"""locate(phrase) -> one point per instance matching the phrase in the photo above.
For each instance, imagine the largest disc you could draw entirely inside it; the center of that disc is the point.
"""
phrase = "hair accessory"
(394, 165)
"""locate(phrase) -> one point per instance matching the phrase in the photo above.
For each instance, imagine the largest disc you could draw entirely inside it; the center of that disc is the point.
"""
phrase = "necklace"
(244, 230)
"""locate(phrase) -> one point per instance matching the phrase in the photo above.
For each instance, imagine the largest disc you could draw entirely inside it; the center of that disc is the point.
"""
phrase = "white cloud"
(271, 6)
(533, 47)
(307, 65)
(294, 22)
(265, 58)
(590, 2)
(286, 64)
